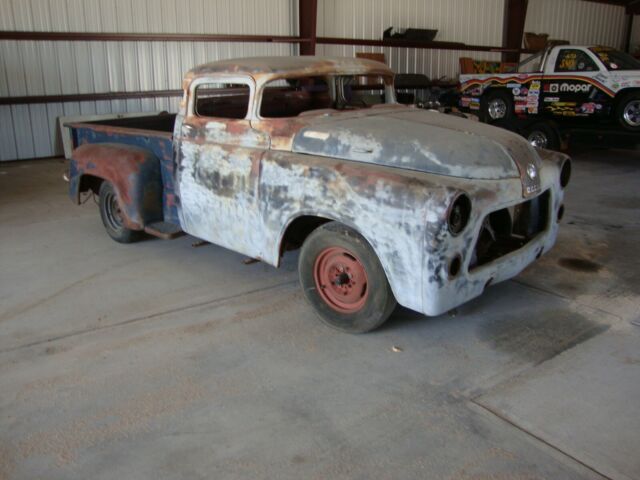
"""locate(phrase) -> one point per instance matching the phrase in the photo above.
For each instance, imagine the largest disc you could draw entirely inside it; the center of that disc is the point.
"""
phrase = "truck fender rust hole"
(565, 173)
(454, 266)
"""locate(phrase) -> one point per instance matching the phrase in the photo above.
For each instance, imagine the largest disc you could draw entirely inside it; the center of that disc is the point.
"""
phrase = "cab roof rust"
(265, 68)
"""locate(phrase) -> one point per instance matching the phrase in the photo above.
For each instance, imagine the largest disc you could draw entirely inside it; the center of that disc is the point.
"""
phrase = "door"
(218, 162)
(570, 85)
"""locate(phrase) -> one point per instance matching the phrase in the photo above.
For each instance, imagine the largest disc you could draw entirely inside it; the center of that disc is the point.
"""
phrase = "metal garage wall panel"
(13, 67)
(54, 68)
(577, 21)
(469, 21)
(8, 149)
(40, 124)
(23, 131)
(635, 34)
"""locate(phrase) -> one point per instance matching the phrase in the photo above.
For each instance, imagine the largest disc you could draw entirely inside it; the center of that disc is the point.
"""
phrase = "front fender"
(134, 173)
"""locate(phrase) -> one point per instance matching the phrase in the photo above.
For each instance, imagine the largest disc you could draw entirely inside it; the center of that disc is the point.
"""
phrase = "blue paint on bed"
(160, 146)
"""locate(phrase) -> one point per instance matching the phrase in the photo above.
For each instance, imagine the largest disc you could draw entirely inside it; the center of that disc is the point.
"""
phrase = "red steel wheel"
(341, 279)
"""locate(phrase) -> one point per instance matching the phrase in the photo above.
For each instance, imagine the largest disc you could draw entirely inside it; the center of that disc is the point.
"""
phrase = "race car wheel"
(542, 135)
(342, 279)
(496, 106)
(628, 111)
(112, 217)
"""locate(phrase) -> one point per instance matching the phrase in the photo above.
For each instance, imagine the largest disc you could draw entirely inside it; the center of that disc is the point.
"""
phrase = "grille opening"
(506, 230)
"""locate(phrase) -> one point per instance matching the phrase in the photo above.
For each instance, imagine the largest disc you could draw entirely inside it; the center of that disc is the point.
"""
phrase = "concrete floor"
(162, 360)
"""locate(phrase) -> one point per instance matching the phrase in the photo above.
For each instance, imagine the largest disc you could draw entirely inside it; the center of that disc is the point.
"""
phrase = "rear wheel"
(497, 105)
(112, 216)
(542, 135)
(343, 280)
(628, 111)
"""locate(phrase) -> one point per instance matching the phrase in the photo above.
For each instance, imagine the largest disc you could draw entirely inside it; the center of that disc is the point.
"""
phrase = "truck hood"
(420, 140)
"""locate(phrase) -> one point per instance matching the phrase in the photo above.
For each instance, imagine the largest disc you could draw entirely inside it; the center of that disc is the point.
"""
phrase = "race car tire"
(628, 111)
(495, 106)
(542, 135)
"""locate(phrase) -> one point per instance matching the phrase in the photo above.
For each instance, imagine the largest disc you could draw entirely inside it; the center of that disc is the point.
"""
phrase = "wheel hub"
(341, 280)
(631, 113)
(538, 139)
(113, 211)
(497, 108)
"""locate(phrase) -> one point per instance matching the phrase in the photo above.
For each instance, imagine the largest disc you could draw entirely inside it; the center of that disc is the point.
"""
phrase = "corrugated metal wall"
(55, 68)
(635, 35)
(579, 22)
(477, 22)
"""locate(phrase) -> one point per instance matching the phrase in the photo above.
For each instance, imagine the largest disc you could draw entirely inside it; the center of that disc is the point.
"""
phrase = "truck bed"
(153, 133)
(155, 123)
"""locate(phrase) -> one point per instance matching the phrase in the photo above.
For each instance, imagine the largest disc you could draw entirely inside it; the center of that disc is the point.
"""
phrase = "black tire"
(503, 106)
(628, 111)
(334, 242)
(112, 216)
(542, 135)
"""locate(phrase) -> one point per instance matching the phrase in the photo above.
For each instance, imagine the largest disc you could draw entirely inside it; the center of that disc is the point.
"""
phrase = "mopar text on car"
(388, 203)
(586, 86)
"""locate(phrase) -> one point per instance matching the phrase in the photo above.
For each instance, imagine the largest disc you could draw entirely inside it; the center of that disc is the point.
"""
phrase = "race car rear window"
(616, 60)
(570, 60)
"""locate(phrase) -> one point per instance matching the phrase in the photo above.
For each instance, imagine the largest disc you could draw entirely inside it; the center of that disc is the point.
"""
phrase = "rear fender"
(134, 173)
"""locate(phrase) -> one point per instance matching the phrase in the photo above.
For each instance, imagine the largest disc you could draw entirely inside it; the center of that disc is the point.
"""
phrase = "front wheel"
(343, 280)
(112, 217)
(628, 111)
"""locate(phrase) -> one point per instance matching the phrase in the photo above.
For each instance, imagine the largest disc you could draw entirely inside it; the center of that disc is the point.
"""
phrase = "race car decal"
(571, 109)
(565, 109)
(524, 79)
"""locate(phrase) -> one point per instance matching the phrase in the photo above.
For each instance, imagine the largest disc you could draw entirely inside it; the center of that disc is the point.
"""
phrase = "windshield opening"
(615, 60)
(290, 97)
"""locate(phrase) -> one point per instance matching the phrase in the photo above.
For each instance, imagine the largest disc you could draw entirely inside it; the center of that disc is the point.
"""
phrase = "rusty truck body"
(388, 202)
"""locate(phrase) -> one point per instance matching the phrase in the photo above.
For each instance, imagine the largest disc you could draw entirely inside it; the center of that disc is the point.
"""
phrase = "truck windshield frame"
(343, 92)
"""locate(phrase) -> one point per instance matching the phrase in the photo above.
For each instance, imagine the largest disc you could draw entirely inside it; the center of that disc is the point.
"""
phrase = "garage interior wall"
(63, 67)
(468, 21)
(578, 21)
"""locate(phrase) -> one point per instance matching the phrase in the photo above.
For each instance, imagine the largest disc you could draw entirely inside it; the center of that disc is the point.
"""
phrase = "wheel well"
(624, 93)
(298, 230)
(90, 182)
(491, 90)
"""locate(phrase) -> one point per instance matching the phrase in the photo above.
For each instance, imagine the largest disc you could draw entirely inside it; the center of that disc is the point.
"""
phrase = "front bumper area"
(443, 290)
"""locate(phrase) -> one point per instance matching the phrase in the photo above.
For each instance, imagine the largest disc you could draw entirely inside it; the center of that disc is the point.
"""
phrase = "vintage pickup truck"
(387, 202)
(561, 87)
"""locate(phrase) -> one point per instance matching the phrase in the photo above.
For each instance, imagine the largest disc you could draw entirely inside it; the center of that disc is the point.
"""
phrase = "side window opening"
(570, 60)
(222, 100)
(292, 96)
(531, 64)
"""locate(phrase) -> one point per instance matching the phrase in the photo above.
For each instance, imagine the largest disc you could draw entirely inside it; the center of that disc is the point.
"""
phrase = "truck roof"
(270, 67)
